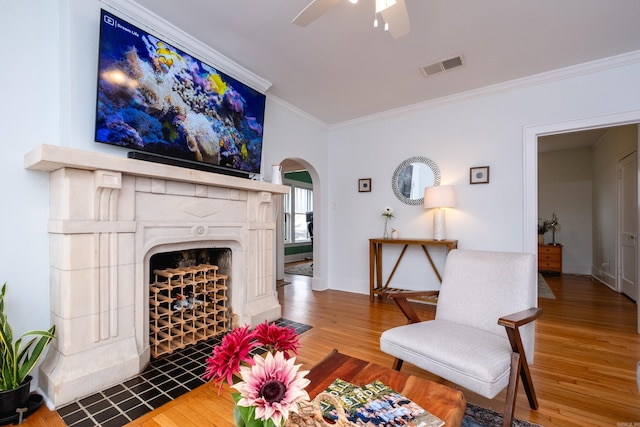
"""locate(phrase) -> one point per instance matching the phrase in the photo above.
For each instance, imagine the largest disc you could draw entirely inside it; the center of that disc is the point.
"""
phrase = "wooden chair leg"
(512, 390)
(523, 369)
(527, 383)
(397, 364)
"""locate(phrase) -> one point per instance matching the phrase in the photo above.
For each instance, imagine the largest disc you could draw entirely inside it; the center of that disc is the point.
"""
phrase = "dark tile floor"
(165, 379)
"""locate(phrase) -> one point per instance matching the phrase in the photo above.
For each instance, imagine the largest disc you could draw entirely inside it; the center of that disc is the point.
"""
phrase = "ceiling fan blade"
(398, 19)
(314, 10)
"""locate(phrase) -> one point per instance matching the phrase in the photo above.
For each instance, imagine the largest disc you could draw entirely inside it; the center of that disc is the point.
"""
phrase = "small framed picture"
(364, 185)
(479, 175)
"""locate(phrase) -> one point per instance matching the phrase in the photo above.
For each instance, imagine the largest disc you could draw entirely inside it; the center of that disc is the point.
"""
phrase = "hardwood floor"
(584, 373)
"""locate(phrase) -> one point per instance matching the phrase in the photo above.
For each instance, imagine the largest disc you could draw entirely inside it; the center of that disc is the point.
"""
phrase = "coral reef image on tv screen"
(153, 97)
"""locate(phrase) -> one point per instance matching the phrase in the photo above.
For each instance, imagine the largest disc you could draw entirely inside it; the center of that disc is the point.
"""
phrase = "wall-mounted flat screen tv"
(155, 98)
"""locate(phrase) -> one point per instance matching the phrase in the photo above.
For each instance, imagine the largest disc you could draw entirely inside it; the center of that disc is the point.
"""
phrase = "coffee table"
(204, 406)
(444, 402)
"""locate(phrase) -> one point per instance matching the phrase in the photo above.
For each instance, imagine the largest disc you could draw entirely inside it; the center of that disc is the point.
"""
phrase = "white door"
(628, 220)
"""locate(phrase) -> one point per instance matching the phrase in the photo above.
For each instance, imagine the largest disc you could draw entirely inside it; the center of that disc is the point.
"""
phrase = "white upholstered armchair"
(483, 326)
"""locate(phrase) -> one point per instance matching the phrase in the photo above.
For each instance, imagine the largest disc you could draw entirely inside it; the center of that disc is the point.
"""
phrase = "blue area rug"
(476, 416)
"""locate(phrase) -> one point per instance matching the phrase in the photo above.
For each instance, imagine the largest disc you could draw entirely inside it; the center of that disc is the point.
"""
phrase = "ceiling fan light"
(384, 4)
(353, 1)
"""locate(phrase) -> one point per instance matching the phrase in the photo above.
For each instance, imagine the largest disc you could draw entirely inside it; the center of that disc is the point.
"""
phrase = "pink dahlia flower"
(227, 357)
(277, 338)
(273, 385)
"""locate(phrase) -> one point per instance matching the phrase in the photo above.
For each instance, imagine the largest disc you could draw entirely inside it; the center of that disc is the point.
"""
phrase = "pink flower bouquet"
(269, 387)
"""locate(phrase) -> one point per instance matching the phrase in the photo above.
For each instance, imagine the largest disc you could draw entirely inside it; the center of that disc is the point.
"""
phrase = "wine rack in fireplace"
(186, 305)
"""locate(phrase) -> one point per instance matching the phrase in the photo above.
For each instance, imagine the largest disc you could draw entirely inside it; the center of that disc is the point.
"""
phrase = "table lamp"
(439, 197)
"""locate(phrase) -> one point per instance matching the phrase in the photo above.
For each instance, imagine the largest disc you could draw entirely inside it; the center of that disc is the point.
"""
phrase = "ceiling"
(571, 140)
(340, 68)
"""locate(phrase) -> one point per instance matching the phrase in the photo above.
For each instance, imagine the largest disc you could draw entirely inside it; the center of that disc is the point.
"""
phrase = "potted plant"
(546, 225)
(543, 227)
(17, 360)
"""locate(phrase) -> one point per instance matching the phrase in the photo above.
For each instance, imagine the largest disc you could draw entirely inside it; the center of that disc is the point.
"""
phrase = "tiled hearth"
(165, 379)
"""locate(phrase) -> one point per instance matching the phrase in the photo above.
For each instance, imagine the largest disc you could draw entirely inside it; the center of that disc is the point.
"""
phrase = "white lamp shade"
(439, 196)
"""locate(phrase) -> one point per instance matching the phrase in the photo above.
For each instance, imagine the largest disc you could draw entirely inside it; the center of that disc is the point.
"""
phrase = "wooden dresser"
(550, 258)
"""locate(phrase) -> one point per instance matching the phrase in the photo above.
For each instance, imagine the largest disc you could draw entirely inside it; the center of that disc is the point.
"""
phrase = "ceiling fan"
(393, 13)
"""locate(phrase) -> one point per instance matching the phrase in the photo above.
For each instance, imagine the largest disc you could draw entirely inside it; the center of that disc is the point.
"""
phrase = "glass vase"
(386, 231)
(237, 417)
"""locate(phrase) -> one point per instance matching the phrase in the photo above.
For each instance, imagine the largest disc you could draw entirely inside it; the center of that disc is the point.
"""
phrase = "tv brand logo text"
(110, 21)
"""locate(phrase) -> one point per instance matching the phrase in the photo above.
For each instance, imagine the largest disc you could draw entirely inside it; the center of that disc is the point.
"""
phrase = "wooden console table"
(376, 285)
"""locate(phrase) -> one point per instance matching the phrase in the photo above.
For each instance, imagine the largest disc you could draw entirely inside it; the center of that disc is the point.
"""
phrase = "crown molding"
(295, 110)
(592, 67)
(149, 21)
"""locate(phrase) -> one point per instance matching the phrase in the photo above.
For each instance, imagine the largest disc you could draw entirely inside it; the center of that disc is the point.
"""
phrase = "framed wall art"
(364, 185)
(479, 175)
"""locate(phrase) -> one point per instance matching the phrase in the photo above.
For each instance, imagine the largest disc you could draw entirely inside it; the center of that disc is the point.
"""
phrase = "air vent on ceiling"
(440, 66)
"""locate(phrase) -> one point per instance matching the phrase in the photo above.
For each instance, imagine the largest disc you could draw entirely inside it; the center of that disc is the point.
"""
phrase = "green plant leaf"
(249, 415)
(16, 360)
(27, 361)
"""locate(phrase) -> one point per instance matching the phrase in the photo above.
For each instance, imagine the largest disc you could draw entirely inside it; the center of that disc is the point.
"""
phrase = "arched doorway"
(292, 230)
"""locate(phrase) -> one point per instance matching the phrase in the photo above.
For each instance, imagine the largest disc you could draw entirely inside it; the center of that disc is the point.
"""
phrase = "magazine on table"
(376, 404)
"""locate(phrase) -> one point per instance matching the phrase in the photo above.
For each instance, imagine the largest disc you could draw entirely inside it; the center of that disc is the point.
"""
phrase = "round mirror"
(412, 176)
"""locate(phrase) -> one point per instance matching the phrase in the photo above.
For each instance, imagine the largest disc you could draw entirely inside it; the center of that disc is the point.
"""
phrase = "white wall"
(50, 96)
(565, 188)
(616, 144)
(482, 128)
(30, 116)
(293, 135)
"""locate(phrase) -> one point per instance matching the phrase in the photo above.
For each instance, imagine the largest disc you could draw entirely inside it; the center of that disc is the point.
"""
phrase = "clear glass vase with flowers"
(387, 213)
(269, 385)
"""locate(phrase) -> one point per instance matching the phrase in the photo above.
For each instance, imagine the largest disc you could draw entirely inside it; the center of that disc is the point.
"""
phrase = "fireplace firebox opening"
(188, 298)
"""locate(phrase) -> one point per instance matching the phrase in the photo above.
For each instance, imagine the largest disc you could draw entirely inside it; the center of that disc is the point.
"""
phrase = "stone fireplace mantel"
(108, 216)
